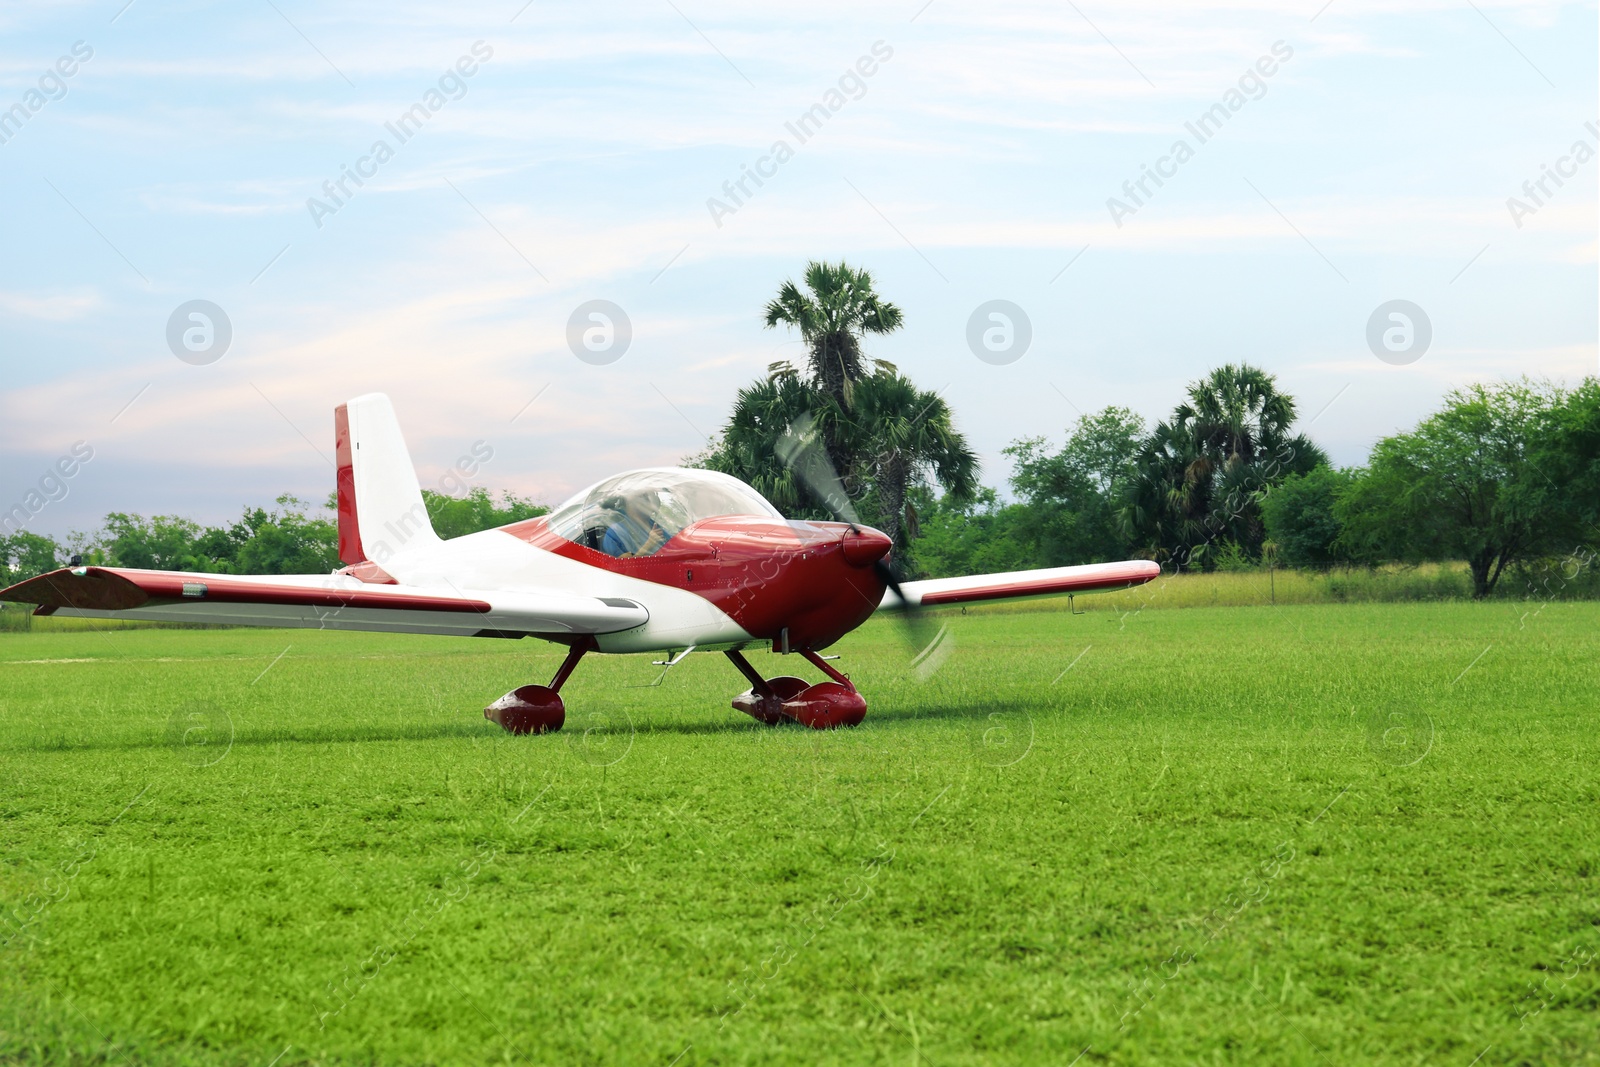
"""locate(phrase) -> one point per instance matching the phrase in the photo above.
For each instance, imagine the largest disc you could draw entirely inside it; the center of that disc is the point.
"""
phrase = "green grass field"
(1309, 834)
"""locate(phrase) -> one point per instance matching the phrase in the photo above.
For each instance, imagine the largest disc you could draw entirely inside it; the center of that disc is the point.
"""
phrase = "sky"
(556, 155)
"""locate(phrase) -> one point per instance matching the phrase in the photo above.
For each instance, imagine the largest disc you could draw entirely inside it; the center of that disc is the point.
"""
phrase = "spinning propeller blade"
(801, 449)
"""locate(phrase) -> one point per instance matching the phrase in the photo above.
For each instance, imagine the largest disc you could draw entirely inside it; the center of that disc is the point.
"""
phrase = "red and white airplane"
(663, 559)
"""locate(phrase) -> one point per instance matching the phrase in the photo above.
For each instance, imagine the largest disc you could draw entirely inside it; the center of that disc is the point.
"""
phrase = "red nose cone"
(864, 546)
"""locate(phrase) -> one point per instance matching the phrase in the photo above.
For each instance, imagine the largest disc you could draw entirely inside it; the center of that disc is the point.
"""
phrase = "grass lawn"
(1309, 834)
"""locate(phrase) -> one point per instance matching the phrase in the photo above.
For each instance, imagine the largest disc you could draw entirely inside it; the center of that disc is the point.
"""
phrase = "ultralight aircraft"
(664, 559)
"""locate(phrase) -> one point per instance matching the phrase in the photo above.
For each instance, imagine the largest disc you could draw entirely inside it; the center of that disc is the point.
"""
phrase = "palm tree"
(840, 307)
(1166, 502)
(1240, 419)
(1236, 412)
(1202, 474)
(900, 435)
(881, 434)
(763, 413)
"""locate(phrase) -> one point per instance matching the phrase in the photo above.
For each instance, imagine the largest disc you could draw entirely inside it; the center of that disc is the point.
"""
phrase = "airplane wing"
(1011, 585)
(328, 602)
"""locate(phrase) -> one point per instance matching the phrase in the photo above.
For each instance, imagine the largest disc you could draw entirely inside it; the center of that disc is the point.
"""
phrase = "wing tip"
(100, 588)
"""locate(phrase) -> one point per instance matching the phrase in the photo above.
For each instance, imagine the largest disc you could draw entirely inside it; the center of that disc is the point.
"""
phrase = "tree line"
(294, 537)
(1504, 475)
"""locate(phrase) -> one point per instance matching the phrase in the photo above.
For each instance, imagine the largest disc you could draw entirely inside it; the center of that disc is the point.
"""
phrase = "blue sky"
(576, 162)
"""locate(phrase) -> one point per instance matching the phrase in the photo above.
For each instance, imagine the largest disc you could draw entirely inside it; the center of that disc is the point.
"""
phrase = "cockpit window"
(634, 514)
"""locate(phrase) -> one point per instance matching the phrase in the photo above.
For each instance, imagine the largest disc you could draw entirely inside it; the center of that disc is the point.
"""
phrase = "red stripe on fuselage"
(766, 574)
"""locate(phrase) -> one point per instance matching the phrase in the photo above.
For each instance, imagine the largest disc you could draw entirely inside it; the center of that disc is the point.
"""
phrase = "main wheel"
(826, 706)
(531, 709)
(769, 709)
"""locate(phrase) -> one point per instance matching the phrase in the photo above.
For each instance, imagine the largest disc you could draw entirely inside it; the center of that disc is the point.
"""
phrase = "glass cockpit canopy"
(635, 513)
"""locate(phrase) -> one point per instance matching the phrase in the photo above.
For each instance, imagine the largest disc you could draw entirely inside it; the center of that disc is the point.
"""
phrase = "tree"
(26, 555)
(1565, 453)
(1465, 484)
(976, 536)
(1165, 504)
(161, 543)
(1200, 476)
(899, 435)
(882, 435)
(1070, 495)
(894, 438)
(1236, 412)
(282, 541)
(748, 445)
(287, 541)
(1300, 517)
(1241, 423)
(454, 516)
(839, 309)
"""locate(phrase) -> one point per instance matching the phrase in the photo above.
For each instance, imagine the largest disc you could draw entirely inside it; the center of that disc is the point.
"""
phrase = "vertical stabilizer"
(380, 503)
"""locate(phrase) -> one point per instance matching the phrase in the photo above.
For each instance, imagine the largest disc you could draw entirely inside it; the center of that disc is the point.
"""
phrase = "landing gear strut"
(823, 706)
(537, 709)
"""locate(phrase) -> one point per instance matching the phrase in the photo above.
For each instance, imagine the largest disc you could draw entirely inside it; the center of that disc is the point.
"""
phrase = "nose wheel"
(823, 706)
(767, 707)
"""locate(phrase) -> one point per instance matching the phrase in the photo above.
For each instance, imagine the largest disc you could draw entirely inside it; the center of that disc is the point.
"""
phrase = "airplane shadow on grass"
(608, 720)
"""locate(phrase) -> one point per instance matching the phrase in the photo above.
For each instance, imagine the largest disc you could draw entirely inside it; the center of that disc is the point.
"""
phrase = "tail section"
(380, 503)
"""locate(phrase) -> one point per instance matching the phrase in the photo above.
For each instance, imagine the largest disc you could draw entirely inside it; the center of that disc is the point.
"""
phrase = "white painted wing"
(1011, 585)
(328, 602)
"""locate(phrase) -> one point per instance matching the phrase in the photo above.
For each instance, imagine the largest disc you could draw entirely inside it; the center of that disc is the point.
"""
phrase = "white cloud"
(50, 306)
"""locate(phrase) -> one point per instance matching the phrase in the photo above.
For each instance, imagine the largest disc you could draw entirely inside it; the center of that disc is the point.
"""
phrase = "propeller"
(801, 449)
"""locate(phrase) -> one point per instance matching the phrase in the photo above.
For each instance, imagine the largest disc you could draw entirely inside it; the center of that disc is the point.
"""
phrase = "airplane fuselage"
(719, 583)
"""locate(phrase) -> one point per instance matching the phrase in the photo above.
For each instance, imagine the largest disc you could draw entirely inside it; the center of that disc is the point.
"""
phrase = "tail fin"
(380, 502)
